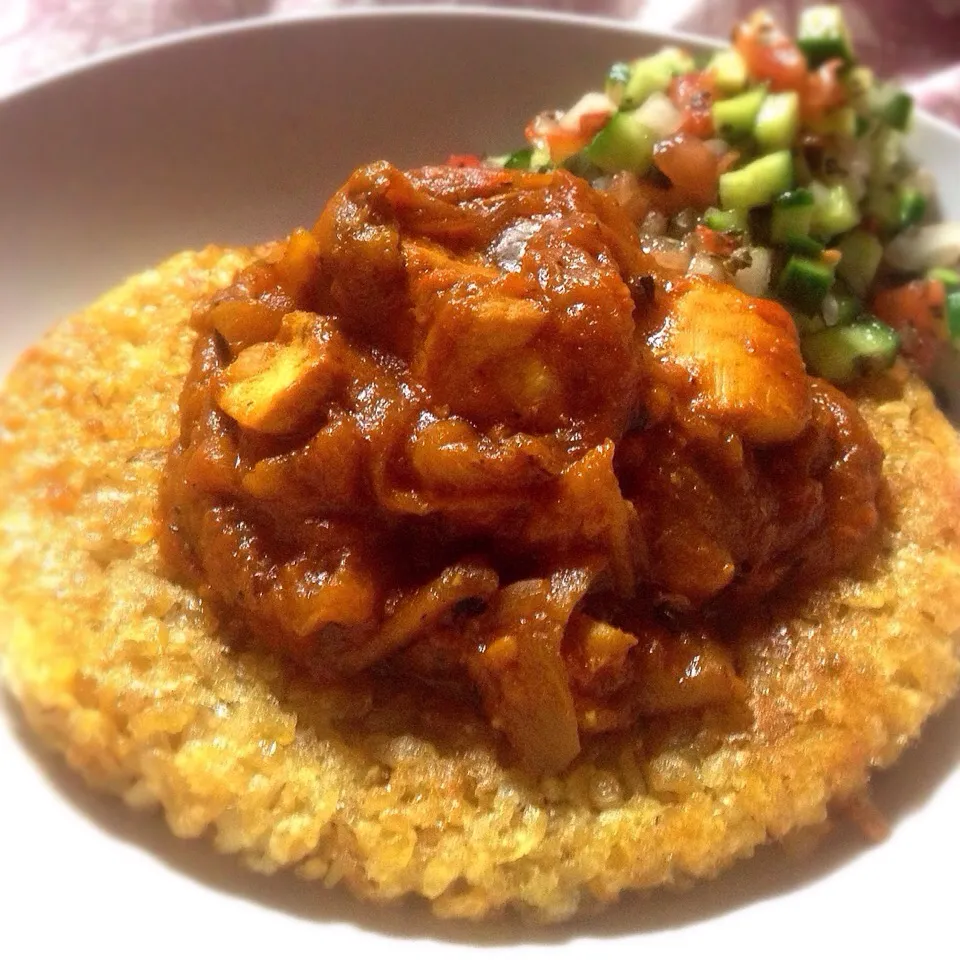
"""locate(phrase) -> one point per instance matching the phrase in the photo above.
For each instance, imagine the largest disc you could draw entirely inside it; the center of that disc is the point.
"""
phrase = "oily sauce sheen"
(463, 432)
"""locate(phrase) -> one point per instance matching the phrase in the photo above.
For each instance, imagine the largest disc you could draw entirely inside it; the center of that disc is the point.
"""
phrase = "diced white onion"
(717, 147)
(669, 254)
(658, 115)
(545, 122)
(921, 248)
(854, 159)
(654, 224)
(856, 187)
(924, 181)
(589, 103)
(821, 193)
(859, 160)
(705, 265)
(831, 310)
(685, 220)
(754, 280)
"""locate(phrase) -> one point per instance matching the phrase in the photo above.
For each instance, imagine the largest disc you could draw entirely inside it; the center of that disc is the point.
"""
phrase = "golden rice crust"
(122, 671)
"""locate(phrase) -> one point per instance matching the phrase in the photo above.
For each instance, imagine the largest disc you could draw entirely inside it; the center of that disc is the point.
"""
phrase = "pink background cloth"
(915, 40)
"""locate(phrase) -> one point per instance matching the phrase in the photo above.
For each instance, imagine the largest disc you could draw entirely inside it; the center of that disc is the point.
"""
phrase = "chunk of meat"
(722, 519)
(277, 386)
(733, 359)
(538, 339)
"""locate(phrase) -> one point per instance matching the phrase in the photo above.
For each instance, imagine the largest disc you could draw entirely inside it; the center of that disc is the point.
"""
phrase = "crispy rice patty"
(375, 788)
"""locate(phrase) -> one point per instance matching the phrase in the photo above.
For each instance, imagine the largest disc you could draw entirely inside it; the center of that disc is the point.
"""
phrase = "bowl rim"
(445, 10)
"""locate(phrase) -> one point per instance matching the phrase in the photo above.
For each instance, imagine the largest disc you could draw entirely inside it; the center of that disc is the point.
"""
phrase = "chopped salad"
(779, 165)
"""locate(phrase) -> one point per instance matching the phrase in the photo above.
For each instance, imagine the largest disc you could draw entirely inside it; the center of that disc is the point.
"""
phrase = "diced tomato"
(534, 130)
(691, 167)
(591, 124)
(464, 160)
(625, 189)
(638, 196)
(560, 141)
(822, 91)
(562, 144)
(769, 53)
(587, 115)
(715, 242)
(727, 161)
(916, 311)
(693, 95)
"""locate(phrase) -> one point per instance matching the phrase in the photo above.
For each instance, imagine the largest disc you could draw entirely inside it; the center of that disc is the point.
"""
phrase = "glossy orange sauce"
(463, 432)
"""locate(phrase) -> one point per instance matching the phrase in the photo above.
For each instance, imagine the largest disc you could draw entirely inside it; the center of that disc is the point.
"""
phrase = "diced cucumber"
(834, 211)
(892, 106)
(841, 354)
(801, 197)
(859, 84)
(883, 204)
(729, 70)
(758, 182)
(859, 81)
(953, 315)
(949, 278)
(734, 119)
(860, 255)
(802, 174)
(804, 245)
(899, 110)
(913, 205)
(792, 215)
(725, 221)
(519, 159)
(848, 308)
(886, 154)
(540, 159)
(804, 283)
(823, 35)
(841, 122)
(580, 165)
(807, 324)
(526, 158)
(616, 82)
(623, 144)
(777, 121)
(654, 73)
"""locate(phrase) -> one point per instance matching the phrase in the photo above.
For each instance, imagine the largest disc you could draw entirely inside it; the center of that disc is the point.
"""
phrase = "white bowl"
(238, 134)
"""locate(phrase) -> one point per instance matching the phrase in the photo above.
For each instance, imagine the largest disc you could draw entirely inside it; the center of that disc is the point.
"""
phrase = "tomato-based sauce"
(463, 432)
